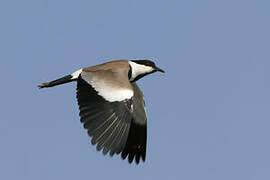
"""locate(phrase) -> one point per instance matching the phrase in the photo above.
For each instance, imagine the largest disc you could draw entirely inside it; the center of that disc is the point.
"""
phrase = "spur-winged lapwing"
(112, 107)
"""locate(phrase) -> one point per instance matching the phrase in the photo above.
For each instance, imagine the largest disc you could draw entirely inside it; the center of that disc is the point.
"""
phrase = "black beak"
(160, 70)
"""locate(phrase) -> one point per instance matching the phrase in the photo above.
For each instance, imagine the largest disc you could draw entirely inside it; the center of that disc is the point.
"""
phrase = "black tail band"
(56, 82)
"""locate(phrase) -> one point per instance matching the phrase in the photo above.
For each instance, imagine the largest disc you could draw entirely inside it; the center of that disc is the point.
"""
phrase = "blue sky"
(208, 116)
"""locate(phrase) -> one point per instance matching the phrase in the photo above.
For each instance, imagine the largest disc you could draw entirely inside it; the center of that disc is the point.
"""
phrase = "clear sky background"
(208, 116)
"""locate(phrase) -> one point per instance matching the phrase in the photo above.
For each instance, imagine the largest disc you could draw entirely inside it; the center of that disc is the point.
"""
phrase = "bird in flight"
(111, 105)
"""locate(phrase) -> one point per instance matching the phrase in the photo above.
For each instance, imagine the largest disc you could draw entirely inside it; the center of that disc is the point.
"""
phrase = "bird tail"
(63, 80)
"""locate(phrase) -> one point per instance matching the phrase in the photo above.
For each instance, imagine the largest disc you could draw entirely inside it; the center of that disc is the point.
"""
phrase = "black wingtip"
(137, 157)
(136, 144)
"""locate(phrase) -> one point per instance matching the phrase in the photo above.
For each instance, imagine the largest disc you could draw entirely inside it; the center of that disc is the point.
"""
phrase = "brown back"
(117, 64)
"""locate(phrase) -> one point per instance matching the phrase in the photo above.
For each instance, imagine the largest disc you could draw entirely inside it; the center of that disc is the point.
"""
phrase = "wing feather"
(136, 143)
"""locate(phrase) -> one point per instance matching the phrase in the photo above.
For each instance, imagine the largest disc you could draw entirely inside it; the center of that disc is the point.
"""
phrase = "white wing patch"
(106, 88)
(111, 93)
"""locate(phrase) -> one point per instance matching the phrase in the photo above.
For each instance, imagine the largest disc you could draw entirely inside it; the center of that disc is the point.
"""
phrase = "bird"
(112, 106)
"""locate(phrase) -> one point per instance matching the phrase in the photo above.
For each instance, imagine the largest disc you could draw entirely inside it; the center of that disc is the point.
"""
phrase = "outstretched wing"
(107, 122)
(114, 118)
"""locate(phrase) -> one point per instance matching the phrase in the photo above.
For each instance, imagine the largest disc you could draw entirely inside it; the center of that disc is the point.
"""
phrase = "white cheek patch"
(138, 69)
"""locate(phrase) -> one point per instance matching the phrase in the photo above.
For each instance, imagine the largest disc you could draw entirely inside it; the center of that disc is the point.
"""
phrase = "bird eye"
(147, 64)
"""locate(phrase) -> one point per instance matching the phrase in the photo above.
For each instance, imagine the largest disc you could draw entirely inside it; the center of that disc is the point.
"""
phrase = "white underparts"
(76, 74)
(138, 69)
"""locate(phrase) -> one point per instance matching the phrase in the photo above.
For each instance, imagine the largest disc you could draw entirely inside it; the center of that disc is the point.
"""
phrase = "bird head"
(141, 68)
